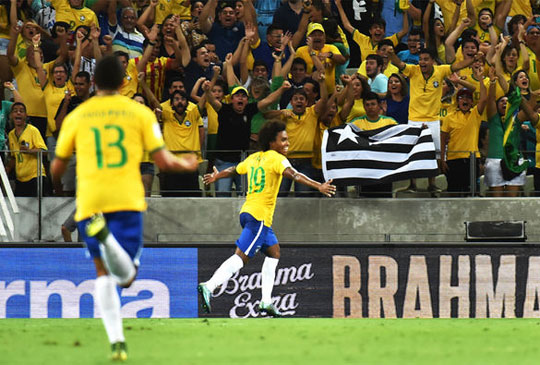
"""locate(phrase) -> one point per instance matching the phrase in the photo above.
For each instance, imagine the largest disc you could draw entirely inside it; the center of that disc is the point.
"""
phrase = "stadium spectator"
(74, 13)
(377, 32)
(414, 44)
(319, 55)
(183, 131)
(397, 99)
(25, 72)
(426, 91)
(227, 32)
(383, 47)
(25, 144)
(125, 35)
(459, 135)
(81, 84)
(378, 82)
(287, 16)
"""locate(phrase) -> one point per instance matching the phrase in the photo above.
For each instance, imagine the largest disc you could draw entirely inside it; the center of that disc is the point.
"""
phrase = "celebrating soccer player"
(110, 132)
(266, 168)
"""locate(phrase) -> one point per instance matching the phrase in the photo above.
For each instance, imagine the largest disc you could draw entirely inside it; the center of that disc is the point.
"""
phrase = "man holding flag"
(505, 169)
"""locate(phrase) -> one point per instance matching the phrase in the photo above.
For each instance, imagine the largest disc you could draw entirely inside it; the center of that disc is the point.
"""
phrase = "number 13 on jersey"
(116, 144)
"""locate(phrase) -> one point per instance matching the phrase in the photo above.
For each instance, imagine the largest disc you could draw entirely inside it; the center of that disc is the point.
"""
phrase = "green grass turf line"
(276, 341)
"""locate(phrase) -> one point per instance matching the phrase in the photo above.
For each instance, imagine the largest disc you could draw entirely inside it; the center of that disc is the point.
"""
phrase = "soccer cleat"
(119, 351)
(269, 309)
(205, 297)
(97, 227)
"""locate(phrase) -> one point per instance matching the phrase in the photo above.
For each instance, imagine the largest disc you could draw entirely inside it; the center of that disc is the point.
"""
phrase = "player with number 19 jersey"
(264, 171)
(114, 131)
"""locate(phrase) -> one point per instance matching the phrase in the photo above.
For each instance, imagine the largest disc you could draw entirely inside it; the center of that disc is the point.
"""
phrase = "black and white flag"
(397, 152)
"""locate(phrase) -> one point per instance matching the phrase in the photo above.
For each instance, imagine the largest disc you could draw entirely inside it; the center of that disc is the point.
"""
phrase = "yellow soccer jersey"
(365, 124)
(183, 136)
(365, 44)
(110, 134)
(213, 122)
(533, 67)
(426, 92)
(131, 83)
(74, 17)
(522, 7)
(264, 173)
(357, 110)
(176, 7)
(30, 89)
(329, 64)
(53, 98)
(463, 129)
(301, 130)
(26, 163)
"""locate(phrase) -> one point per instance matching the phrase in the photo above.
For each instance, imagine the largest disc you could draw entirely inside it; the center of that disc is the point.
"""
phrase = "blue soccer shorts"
(126, 227)
(255, 235)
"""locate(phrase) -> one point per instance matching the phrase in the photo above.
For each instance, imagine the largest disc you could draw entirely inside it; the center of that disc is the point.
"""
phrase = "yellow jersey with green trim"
(53, 98)
(264, 172)
(176, 7)
(110, 134)
(30, 89)
(301, 130)
(26, 164)
(426, 92)
(463, 129)
(328, 63)
(183, 135)
(366, 124)
(534, 81)
(73, 16)
(366, 46)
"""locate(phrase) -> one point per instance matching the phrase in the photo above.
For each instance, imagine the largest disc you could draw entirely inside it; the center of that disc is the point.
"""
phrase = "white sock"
(225, 271)
(268, 273)
(117, 260)
(108, 302)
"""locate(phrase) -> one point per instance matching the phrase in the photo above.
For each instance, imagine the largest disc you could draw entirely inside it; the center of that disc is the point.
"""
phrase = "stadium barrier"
(325, 280)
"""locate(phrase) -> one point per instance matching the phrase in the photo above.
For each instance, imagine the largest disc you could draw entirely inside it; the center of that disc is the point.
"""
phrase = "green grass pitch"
(276, 341)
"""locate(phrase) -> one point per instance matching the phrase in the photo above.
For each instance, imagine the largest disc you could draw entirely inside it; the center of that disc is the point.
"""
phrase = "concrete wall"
(186, 220)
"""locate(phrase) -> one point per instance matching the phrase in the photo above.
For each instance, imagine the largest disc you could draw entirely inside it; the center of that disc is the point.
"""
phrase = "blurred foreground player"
(109, 133)
(265, 170)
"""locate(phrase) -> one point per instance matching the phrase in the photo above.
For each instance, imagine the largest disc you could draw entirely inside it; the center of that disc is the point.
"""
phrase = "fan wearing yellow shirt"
(183, 130)
(25, 71)
(25, 143)
(327, 55)
(459, 133)
(74, 13)
(377, 32)
(110, 133)
(426, 92)
(301, 122)
(265, 170)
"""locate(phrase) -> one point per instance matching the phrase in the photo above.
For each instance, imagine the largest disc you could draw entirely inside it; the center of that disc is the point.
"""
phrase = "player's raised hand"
(210, 178)
(328, 189)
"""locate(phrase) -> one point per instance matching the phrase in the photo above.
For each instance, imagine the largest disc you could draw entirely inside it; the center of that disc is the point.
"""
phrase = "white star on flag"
(346, 133)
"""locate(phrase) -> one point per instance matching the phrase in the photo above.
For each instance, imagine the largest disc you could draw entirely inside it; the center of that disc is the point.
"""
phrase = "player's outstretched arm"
(325, 188)
(216, 175)
(166, 161)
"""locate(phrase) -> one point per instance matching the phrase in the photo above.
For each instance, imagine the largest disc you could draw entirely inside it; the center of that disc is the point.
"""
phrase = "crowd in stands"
(213, 71)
